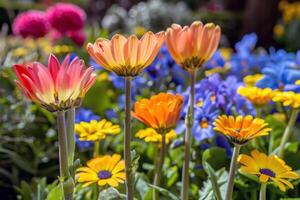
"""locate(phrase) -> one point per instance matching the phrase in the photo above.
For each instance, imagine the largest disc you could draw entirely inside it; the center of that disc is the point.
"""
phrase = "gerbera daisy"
(151, 135)
(288, 99)
(96, 130)
(268, 169)
(257, 96)
(241, 129)
(105, 170)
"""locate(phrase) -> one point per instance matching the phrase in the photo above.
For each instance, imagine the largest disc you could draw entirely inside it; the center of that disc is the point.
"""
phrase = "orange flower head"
(160, 112)
(191, 46)
(126, 56)
(241, 129)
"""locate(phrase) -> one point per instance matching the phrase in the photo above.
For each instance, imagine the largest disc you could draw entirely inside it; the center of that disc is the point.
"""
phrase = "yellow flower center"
(200, 103)
(204, 123)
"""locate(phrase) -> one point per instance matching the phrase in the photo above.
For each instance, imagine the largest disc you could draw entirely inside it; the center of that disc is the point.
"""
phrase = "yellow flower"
(297, 82)
(105, 170)
(268, 169)
(150, 135)
(251, 80)
(288, 98)
(241, 129)
(278, 30)
(257, 96)
(96, 130)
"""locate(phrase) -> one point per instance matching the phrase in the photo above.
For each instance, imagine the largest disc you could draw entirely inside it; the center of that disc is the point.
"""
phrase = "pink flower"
(78, 37)
(58, 86)
(31, 24)
(66, 17)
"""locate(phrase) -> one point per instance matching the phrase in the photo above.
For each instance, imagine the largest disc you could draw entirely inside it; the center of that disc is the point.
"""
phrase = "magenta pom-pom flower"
(31, 24)
(66, 17)
(59, 86)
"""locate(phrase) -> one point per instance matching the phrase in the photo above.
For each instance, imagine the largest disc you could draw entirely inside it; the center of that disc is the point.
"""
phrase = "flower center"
(104, 175)
(267, 172)
(204, 123)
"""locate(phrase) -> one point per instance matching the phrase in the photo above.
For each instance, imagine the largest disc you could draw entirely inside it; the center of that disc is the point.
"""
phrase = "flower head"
(96, 130)
(191, 46)
(66, 17)
(257, 96)
(268, 169)
(241, 129)
(126, 56)
(31, 24)
(105, 170)
(288, 98)
(59, 86)
(251, 80)
(160, 112)
(151, 135)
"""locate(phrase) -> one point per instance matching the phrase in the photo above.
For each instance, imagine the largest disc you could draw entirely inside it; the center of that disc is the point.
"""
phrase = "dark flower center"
(267, 172)
(104, 175)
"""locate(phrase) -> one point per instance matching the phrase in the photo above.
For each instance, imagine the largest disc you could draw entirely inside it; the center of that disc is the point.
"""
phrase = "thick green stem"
(232, 170)
(68, 183)
(96, 148)
(127, 140)
(189, 120)
(70, 135)
(262, 192)
(287, 132)
(159, 166)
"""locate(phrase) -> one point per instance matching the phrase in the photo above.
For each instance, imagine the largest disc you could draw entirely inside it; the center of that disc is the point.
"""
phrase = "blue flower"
(84, 115)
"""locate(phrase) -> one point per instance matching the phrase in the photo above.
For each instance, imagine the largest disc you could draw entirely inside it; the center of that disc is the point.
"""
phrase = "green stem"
(68, 183)
(189, 120)
(287, 132)
(232, 170)
(262, 192)
(127, 140)
(257, 111)
(96, 148)
(71, 135)
(159, 166)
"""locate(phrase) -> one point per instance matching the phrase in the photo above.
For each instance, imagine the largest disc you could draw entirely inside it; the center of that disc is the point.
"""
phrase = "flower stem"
(127, 139)
(288, 131)
(159, 166)
(232, 170)
(96, 148)
(70, 135)
(262, 192)
(68, 183)
(189, 120)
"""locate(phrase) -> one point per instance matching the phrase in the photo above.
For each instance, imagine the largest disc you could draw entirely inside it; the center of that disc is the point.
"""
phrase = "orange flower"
(160, 112)
(191, 46)
(126, 56)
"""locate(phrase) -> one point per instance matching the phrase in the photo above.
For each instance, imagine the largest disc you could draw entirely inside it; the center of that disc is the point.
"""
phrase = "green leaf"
(142, 185)
(164, 192)
(25, 191)
(111, 194)
(210, 155)
(172, 175)
(56, 193)
(213, 179)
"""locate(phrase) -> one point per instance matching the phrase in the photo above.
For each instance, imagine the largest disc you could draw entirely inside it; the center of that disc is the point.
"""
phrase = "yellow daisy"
(288, 98)
(105, 170)
(150, 135)
(241, 129)
(257, 96)
(251, 80)
(96, 130)
(268, 169)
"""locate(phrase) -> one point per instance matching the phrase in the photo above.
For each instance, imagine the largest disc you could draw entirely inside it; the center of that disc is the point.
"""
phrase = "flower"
(151, 135)
(78, 37)
(268, 169)
(191, 46)
(288, 98)
(251, 80)
(58, 86)
(241, 129)
(257, 96)
(126, 56)
(104, 170)
(66, 17)
(96, 130)
(160, 112)
(32, 23)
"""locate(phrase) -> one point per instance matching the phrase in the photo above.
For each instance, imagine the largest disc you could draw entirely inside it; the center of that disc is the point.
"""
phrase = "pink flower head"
(66, 17)
(32, 23)
(58, 86)
(78, 37)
